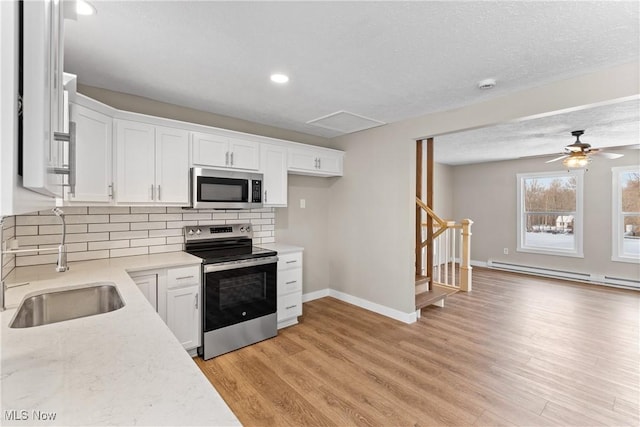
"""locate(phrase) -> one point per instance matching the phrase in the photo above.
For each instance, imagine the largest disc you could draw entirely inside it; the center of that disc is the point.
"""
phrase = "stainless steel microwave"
(218, 189)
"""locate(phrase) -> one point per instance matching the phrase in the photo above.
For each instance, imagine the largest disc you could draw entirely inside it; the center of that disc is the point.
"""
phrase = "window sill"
(628, 260)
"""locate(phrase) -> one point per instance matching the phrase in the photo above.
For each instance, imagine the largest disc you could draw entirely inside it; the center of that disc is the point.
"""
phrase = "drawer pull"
(291, 282)
(184, 277)
(291, 262)
(290, 307)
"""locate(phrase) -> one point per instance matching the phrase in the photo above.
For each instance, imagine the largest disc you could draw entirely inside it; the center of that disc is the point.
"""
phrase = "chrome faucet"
(61, 264)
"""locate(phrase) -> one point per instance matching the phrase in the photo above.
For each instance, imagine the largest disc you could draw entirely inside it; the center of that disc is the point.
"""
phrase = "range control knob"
(241, 229)
(190, 233)
(248, 229)
(198, 231)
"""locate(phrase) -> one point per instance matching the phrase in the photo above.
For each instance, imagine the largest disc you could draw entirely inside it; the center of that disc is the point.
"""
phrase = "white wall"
(371, 239)
(443, 191)
(486, 193)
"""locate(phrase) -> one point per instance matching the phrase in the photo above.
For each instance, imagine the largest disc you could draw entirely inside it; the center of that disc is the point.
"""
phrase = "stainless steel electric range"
(239, 287)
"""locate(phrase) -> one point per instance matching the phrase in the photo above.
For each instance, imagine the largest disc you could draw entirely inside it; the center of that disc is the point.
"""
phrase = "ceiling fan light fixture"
(576, 160)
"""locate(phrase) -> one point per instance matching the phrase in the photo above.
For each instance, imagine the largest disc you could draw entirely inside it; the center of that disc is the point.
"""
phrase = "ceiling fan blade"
(557, 158)
(606, 155)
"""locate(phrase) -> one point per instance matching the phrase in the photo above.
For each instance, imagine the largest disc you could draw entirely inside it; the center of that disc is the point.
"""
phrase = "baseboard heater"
(567, 275)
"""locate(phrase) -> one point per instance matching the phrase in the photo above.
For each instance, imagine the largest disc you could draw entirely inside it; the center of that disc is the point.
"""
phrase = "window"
(550, 213)
(626, 214)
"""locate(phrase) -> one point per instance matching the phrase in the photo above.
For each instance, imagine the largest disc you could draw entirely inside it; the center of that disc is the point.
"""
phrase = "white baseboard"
(475, 263)
(362, 303)
(315, 295)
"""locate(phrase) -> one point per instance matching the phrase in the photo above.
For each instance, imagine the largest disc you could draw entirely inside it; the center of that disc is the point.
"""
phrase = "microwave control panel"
(256, 189)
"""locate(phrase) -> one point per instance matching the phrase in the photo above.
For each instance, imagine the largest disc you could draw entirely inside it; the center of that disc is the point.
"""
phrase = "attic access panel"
(345, 122)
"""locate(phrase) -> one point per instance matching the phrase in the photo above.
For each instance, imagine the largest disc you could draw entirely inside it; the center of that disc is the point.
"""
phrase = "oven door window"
(212, 189)
(233, 296)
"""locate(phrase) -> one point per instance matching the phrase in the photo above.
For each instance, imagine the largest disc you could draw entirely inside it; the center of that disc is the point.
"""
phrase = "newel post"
(465, 267)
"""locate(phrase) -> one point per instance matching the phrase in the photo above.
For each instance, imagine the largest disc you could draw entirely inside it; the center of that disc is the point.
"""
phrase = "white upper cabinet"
(94, 139)
(172, 166)
(152, 164)
(224, 151)
(42, 96)
(315, 161)
(273, 163)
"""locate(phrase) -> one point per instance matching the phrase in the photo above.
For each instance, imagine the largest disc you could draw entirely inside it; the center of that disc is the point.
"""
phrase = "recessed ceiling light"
(85, 8)
(279, 78)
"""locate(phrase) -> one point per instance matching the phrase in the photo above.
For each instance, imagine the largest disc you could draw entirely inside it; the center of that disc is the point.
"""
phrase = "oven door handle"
(211, 268)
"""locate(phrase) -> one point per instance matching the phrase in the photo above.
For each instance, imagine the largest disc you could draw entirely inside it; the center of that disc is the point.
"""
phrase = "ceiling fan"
(577, 155)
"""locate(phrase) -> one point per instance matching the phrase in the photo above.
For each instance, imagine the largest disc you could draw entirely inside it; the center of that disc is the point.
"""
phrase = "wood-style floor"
(518, 350)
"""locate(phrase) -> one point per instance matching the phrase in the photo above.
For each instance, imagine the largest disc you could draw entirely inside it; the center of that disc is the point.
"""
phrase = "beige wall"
(308, 227)
(138, 104)
(443, 191)
(371, 219)
(486, 193)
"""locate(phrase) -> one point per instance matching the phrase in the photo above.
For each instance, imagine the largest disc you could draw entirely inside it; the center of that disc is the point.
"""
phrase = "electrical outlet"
(506, 251)
(303, 203)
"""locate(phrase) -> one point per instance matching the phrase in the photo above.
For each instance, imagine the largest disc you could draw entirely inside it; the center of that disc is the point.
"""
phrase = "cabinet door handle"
(110, 187)
(184, 277)
(226, 158)
(290, 307)
(232, 158)
(159, 198)
(291, 282)
(291, 262)
(153, 192)
(315, 163)
(265, 196)
(196, 301)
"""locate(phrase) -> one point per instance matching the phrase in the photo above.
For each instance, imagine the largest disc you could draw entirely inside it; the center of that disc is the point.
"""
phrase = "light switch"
(303, 203)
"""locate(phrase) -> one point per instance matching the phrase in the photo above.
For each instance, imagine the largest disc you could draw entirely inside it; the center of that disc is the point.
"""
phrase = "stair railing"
(451, 244)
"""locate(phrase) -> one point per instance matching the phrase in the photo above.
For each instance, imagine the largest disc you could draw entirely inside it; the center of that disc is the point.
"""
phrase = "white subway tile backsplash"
(37, 220)
(104, 232)
(165, 248)
(168, 232)
(148, 210)
(57, 229)
(26, 230)
(196, 216)
(87, 237)
(23, 261)
(148, 225)
(175, 239)
(83, 256)
(108, 244)
(225, 215)
(129, 218)
(85, 219)
(165, 217)
(119, 235)
(148, 242)
(114, 253)
(117, 226)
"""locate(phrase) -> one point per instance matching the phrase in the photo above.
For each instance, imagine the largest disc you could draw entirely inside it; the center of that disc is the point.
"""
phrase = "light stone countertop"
(119, 368)
(282, 248)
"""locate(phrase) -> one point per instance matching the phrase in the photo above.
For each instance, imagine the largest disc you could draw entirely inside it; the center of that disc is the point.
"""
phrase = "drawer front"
(289, 281)
(183, 276)
(289, 306)
(289, 261)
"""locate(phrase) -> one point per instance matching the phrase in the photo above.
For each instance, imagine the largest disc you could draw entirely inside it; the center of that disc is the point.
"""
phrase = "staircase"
(443, 248)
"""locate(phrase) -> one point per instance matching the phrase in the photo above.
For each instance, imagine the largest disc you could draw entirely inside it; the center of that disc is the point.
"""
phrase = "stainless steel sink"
(57, 306)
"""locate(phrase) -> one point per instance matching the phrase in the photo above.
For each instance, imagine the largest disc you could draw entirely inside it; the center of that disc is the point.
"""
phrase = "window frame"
(617, 253)
(578, 221)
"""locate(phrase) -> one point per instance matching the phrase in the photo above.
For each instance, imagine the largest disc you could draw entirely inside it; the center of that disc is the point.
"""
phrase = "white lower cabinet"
(183, 315)
(175, 293)
(289, 288)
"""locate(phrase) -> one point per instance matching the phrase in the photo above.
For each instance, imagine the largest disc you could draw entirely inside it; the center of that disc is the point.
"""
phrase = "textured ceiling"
(611, 125)
(384, 60)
